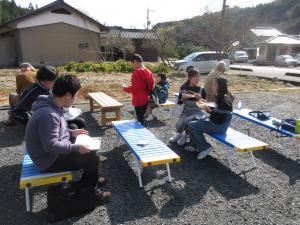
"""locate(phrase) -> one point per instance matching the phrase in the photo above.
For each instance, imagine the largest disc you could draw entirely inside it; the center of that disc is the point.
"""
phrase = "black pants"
(88, 162)
(77, 123)
(140, 113)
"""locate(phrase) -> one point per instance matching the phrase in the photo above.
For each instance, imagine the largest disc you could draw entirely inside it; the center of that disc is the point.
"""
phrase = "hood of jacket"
(45, 101)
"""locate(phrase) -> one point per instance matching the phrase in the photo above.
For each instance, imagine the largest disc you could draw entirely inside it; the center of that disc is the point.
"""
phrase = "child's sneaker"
(175, 138)
(190, 148)
(204, 153)
(182, 140)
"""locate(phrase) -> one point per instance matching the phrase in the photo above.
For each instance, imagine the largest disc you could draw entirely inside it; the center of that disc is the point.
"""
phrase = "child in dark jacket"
(161, 89)
(44, 82)
(217, 123)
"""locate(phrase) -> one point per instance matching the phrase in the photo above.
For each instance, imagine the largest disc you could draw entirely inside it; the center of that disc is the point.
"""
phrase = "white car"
(239, 56)
(202, 61)
(285, 60)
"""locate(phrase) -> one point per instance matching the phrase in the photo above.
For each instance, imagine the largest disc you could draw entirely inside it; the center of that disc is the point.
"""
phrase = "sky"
(133, 13)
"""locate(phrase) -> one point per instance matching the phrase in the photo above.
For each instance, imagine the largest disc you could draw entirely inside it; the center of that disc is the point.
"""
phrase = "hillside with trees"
(10, 10)
(204, 32)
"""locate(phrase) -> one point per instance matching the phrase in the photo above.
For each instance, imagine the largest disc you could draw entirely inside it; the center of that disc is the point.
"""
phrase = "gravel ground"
(203, 192)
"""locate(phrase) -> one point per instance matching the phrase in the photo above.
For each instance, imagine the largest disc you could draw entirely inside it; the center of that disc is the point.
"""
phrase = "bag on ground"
(65, 201)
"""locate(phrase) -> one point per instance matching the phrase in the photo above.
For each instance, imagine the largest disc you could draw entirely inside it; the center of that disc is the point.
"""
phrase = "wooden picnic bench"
(153, 153)
(107, 105)
(239, 142)
(244, 114)
(32, 177)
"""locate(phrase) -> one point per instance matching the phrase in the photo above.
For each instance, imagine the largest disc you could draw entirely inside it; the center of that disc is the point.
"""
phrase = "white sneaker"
(149, 117)
(175, 138)
(204, 153)
(190, 148)
(182, 140)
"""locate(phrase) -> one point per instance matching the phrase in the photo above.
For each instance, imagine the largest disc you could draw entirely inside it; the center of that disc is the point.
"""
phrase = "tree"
(164, 42)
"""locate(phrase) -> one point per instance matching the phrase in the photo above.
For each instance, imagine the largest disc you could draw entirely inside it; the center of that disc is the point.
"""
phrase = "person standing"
(218, 71)
(24, 81)
(142, 84)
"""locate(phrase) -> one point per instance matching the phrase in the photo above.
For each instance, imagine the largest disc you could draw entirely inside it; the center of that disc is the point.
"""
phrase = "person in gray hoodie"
(48, 137)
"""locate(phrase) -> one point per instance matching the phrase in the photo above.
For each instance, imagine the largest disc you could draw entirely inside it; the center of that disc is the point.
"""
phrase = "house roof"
(52, 6)
(129, 33)
(265, 31)
(283, 39)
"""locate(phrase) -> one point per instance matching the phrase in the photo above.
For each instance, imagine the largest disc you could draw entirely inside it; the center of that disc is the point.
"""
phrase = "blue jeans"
(197, 128)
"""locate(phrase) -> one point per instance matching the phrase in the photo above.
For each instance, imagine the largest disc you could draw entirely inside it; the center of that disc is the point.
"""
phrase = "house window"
(61, 11)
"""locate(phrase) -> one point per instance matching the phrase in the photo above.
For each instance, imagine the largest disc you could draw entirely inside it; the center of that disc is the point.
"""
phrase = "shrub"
(119, 66)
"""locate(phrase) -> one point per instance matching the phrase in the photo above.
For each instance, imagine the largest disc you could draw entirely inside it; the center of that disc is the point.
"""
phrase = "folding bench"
(32, 177)
(244, 114)
(107, 105)
(239, 142)
(167, 104)
(155, 152)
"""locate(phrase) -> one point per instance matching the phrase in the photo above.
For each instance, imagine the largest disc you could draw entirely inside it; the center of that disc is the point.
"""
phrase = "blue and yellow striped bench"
(32, 177)
(240, 142)
(155, 152)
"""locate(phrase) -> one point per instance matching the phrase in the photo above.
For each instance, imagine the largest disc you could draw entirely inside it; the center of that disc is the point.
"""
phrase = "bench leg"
(228, 154)
(284, 147)
(253, 159)
(91, 105)
(27, 199)
(138, 170)
(169, 173)
(118, 139)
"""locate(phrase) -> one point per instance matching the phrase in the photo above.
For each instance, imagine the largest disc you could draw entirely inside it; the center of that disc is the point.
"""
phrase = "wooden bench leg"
(169, 173)
(27, 199)
(118, 114)
(103, 117)
(91, 105)
(138, 170)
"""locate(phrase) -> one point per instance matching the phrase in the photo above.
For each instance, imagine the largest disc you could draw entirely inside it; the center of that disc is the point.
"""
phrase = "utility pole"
(222, 27)
(148, 20)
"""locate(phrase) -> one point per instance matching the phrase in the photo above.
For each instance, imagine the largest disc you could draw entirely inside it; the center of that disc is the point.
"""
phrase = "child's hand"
(77, 132)
(198, 96)
(204, 106)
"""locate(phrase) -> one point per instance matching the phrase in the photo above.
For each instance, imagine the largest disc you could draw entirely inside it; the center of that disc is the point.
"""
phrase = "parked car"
(239, 56)
(203, 61)
(297, 57)
(285, 60)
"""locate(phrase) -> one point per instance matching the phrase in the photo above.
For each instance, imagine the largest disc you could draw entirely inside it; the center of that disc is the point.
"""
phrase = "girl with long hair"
(217, 123)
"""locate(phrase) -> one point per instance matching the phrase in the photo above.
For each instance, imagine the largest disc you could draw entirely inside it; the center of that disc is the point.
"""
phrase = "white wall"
(51, 18)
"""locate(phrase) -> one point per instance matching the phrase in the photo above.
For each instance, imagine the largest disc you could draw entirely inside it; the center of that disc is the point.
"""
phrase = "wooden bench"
(244, 114)
(239, 142)
(32, 177)
(155, 152)
(107, 105)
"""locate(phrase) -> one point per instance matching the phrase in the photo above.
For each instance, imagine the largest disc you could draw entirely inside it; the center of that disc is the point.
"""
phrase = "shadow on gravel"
(93, 125)
(199, 178)
(129, 202)
(11, 136)
(278, 161)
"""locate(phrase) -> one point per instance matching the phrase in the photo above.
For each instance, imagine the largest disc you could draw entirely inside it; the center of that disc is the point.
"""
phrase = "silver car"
(285, 60)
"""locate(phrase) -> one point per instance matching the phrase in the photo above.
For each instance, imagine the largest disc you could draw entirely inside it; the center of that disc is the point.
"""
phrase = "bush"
(119, 66)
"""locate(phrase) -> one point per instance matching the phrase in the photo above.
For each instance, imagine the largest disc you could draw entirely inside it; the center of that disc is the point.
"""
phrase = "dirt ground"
(112, 84)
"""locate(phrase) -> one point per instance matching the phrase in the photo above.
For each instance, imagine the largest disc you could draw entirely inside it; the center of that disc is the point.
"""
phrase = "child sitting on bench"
(161, 89)
(218, 122)
(48, 138)
(190, 93)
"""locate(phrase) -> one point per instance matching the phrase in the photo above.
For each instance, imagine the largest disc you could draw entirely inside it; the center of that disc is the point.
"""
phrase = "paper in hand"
(93, 143)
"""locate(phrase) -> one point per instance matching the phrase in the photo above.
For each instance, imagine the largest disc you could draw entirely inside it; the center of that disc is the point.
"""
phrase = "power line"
(207, 6)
